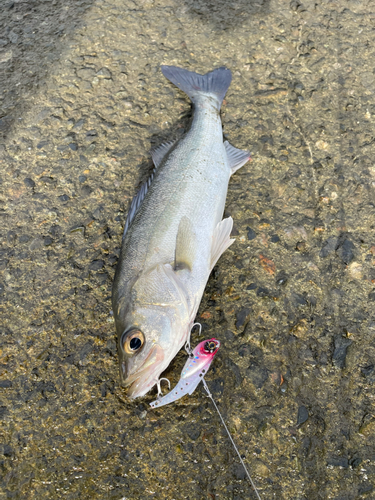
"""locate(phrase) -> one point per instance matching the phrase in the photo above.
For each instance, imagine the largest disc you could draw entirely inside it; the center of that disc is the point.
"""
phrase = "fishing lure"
(193, 372)
(196, 367)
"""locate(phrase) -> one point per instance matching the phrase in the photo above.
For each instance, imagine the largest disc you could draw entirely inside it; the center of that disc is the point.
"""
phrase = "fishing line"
(230, 437)
(194, 371)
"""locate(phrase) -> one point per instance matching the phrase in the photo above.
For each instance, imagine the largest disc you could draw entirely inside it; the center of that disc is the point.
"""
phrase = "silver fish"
(174, 234)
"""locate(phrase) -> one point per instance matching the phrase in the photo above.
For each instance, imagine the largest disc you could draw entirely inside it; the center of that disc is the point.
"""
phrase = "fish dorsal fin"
(221, 239)
(159, 153)
(185, 245)
(236, 157)
(137, 202)
(157, 156)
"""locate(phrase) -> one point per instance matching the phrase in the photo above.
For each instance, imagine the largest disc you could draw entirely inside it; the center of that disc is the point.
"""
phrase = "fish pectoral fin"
(221, 239)
(159, 153)
(236, 157)
(178, 284)
(185, 251)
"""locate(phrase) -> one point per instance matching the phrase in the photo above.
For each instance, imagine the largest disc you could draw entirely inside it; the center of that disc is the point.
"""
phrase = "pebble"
(47, 241)
(339, 354)
(302, 415)
(96, 265)
(356, 270)
(6, 56)
(86, 190)
(322, 145)
(242, 317)
(251, 235)
(257, 374)
(104, 73)
(355, 461)
(78, 124)
(301, 246)
(36, 243)
(13, 37)
(24, 238)
(79, 230)
(11, 237)
(55, 230)
(5, 384)
(252, 286)
(338, 462)
(29, 182)
(295, 232)
(367, 370)
(281, 279)
(263, 292)
(345, 251)
(329, 246)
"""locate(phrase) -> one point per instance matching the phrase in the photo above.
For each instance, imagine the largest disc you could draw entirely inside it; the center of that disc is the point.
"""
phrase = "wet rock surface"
(292, 301)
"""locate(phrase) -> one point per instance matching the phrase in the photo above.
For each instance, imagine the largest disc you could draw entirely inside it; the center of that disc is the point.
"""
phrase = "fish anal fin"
(185, 245)
(159, 153)
(236, 157)
(221, 239)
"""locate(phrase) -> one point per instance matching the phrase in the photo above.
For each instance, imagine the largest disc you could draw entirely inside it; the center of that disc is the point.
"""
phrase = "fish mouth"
(140, 382)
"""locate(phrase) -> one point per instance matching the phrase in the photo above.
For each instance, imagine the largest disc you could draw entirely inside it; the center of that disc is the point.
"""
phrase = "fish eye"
(210, 346)
(132, 341)
(135, 343)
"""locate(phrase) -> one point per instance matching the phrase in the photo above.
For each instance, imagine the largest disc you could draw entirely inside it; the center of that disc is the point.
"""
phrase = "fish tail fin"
(213, 84)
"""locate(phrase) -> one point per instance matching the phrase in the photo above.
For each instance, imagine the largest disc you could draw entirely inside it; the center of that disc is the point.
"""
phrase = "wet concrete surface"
(292, 301)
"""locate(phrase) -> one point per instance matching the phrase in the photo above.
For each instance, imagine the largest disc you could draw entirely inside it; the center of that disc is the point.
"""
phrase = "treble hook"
(188, 348)
(158, 385)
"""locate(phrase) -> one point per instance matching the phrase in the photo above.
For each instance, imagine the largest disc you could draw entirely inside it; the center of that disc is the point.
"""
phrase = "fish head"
(155, 327)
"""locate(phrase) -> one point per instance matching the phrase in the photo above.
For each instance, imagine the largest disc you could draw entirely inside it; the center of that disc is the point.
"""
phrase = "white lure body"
(193, 372)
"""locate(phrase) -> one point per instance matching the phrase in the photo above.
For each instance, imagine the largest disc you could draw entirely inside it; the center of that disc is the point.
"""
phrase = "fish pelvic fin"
(221, 239)
(214, 84)
(236, 157)
(185, 245)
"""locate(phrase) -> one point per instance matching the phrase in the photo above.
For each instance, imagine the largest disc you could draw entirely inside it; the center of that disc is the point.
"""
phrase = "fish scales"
(184, 185)
(175, 237)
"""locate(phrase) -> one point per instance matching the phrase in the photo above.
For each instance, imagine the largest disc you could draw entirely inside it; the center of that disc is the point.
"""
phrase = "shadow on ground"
(32, 37)
(222, 15)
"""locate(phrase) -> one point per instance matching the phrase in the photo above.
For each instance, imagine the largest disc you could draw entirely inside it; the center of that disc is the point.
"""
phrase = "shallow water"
(292, 301)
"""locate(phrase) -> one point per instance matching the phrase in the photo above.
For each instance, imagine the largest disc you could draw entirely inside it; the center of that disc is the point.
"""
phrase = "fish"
(174, 235)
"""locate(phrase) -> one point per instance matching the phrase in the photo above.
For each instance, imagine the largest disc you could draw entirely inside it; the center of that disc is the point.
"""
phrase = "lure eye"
(132, 341)
(210, 346)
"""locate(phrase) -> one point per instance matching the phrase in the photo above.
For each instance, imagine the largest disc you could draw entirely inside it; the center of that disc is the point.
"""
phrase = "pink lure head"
(200, 359)
(194, 370)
